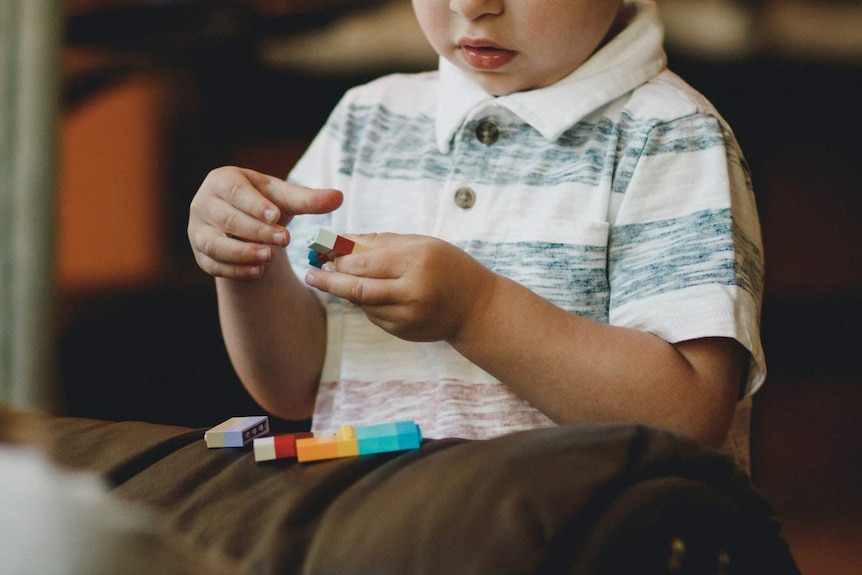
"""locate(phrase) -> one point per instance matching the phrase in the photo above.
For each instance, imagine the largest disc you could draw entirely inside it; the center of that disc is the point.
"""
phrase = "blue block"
(409, 436)
(386, 437)
(371, 445)
(315, 259)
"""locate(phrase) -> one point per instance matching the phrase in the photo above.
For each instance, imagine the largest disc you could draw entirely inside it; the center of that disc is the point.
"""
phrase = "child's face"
(516, 45)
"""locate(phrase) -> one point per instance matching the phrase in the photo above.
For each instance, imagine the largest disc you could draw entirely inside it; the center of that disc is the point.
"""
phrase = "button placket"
(463, 196)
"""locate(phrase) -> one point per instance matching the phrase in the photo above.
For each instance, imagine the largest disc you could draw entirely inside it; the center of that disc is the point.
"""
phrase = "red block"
(343, 246)
(285, 445)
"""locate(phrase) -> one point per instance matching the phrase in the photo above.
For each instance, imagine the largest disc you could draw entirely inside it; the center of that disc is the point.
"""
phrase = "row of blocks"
(325, 246)
(348, 441)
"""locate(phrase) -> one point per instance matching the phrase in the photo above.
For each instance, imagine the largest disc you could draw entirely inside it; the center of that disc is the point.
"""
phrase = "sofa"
(603, 499)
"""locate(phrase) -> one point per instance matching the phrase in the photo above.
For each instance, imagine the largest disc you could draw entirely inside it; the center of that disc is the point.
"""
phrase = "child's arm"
(571, 368)
(575, 369)
(273, 326)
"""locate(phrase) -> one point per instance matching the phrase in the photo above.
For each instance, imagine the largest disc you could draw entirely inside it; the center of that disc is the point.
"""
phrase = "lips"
(484, 55)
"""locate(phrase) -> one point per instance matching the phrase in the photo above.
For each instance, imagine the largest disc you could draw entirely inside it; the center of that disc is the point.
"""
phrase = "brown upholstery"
(559, 500)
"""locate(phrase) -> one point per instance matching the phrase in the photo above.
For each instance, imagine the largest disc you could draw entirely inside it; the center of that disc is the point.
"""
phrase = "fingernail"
(263, 254)
(279, 238)
(328, 267)
(270, 215)
(311, 278)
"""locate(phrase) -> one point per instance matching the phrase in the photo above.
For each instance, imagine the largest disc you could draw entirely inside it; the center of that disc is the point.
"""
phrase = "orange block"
(328, 445)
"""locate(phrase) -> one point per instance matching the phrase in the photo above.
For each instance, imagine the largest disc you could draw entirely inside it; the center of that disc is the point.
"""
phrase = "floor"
(825, 545)
(807, 428)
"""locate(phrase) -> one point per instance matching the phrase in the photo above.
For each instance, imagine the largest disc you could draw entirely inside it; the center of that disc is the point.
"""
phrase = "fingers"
(363, 291)
(231, 271)
(229, 202)
(375, 276)
(230, 221)
(255, 207)
(222, 256)
(238, 217)
(289, 199)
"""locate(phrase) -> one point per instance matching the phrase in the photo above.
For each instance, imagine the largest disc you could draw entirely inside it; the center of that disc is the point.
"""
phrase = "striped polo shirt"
(618, 193)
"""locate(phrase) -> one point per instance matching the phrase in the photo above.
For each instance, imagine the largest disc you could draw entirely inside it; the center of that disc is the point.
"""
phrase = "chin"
(500, 86)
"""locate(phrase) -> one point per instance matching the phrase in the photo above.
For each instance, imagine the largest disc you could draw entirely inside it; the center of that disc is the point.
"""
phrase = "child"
(570, 236)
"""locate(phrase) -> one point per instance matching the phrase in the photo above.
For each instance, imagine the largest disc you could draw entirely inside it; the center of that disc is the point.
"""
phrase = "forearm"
(575, 370)
(275, 333)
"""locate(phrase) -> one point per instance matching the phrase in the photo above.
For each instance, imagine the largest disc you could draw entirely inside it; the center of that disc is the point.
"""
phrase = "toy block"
(347, 445)
(237, 431)
(314, 449)
(325, 246)
(347, 441)
(278, 446)
(386, 437)
(328, 445)
(409, 436)
(378, 438)
(343, 246)
(316, 259)
(322, 241)
(359, 248)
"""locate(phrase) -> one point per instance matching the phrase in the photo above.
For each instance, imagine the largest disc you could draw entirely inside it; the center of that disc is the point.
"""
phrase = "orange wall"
(109, 204)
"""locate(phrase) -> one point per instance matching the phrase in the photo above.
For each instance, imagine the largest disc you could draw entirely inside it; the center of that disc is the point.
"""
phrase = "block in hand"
(325, 246)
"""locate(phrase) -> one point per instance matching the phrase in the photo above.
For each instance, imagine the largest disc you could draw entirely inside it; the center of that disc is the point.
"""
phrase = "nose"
(473, 9)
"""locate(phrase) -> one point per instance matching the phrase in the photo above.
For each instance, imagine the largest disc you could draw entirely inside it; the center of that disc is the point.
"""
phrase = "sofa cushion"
(523, 503)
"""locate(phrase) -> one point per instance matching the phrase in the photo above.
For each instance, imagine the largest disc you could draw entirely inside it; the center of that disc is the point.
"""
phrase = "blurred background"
(151, 95)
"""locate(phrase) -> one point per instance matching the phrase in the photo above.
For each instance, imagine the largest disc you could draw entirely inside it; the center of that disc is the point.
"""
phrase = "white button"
(465, 198)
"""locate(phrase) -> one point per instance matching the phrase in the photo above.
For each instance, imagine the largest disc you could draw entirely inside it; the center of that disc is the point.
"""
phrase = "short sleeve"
(685, 251)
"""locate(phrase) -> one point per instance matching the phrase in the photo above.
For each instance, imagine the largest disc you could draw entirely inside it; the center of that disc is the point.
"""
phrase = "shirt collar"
(630, 59)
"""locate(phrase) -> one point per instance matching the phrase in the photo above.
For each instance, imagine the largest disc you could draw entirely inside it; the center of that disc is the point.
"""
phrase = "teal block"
(379, 438)
(386, 437)
(315, 259)
(378, 430)
(406, 427)
(409, 436)
(372, 445)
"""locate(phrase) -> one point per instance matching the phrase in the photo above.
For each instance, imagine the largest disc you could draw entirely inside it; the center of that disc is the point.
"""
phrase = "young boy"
(570, 236)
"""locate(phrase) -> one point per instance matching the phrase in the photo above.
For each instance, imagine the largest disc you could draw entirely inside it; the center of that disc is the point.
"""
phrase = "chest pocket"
(564, 261)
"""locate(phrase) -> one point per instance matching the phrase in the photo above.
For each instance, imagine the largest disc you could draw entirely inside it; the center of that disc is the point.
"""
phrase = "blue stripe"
(651, 137)
(381, 144)
(643, 260)
(378, 143)
(569, 275)
(703, 248)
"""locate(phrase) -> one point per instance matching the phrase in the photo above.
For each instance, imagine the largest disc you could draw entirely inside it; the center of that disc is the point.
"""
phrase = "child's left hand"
(415, 287)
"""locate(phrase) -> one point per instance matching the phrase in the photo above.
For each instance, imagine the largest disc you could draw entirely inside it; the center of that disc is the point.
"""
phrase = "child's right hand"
(238, 217)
